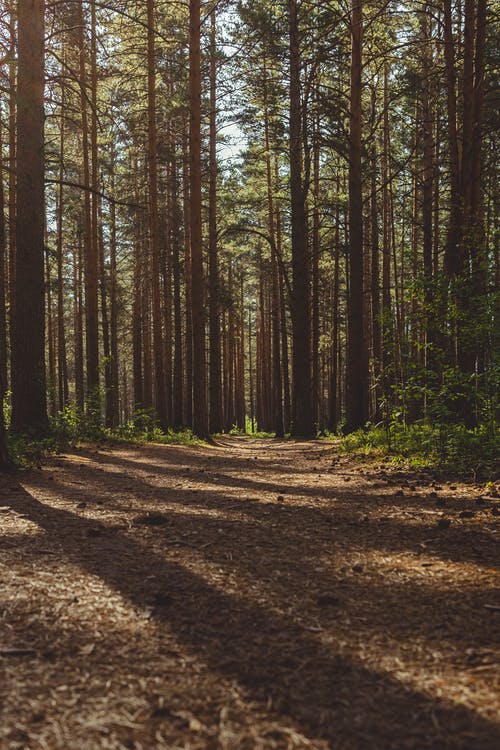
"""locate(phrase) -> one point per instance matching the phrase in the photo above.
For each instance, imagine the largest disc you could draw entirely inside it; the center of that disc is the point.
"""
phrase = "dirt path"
(253, 594)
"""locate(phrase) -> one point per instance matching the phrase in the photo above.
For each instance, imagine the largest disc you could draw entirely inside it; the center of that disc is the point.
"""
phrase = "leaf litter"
(212, 600)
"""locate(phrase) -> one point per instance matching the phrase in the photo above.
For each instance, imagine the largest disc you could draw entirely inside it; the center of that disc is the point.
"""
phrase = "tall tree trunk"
(302, 411)
(214, 322)
(387, 324)
(154, 236)
(167, 310)
(451, 263)
(200, 410)
(62, 363)
(334, 406)
(315, 332)
(114, 416)
(51, 339)
(137, 308)
(106, 347)
(29, 400)
(287, 408)
(357, 365)
(92, 288)
(250, 373)
(375, 281)
(90, 249)
(147, 349)
(427, 192)
(278, 425)
(188, 356)
(78, 321)
(12, 174)
(178, 385)
(3, 283)
(240, 361)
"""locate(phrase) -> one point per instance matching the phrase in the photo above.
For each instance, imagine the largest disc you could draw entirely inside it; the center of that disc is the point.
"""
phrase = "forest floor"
(250, 594)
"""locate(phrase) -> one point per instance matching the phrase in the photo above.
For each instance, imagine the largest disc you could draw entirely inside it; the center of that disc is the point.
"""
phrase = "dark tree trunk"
(200, 410)
(188, 356)
(29, 400)
(302, 411)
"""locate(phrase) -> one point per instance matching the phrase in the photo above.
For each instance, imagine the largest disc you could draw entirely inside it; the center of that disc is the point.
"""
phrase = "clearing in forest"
(252, 594)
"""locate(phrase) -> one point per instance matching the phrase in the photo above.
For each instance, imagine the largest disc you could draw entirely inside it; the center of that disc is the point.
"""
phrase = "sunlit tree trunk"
(158, 353)
(250, 373)
(200, 410)
(214, 322)
(3, 281)
(287, 407)
(278, 426)
(315, 322)
(62, 364)
(357, 364)
(90, 250)
(178, 384)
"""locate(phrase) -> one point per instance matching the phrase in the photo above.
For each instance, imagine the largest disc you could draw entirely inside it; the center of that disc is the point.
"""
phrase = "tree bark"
(357, 365)
(302, 411)
(200, 411)
(214, 323)
(154, 236)
(29, 400)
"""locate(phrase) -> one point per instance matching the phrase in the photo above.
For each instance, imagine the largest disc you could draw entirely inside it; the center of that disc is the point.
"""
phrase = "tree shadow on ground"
(322, 693)
(371, 524)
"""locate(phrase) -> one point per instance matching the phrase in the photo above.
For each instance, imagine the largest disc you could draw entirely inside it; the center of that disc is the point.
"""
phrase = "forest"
(249, 253)
(274, 217)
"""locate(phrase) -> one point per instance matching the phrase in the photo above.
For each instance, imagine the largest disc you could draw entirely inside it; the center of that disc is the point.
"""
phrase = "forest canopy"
(278, 217)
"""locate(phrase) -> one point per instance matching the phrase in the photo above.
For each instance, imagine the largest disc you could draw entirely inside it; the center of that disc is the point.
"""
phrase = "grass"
(443, 448)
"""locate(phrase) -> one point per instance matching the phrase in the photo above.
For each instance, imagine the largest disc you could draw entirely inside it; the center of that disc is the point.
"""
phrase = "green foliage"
(28, 451)
(7, 408)
(72, 425)
(143, 428)
(444, 447)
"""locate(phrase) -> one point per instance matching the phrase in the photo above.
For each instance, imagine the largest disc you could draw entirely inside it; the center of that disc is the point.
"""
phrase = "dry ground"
(252, 594)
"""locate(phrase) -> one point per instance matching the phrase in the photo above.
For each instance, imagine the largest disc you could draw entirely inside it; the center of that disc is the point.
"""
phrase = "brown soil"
(252, 594)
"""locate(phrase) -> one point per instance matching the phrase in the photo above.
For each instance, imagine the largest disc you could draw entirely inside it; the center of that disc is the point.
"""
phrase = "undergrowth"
(442, 448)
(72, 427)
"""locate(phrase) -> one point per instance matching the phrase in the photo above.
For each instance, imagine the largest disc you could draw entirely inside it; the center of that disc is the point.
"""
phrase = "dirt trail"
(252, 594)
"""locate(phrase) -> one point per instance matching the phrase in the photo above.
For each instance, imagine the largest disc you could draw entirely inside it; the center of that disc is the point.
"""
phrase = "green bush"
(444, 447)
